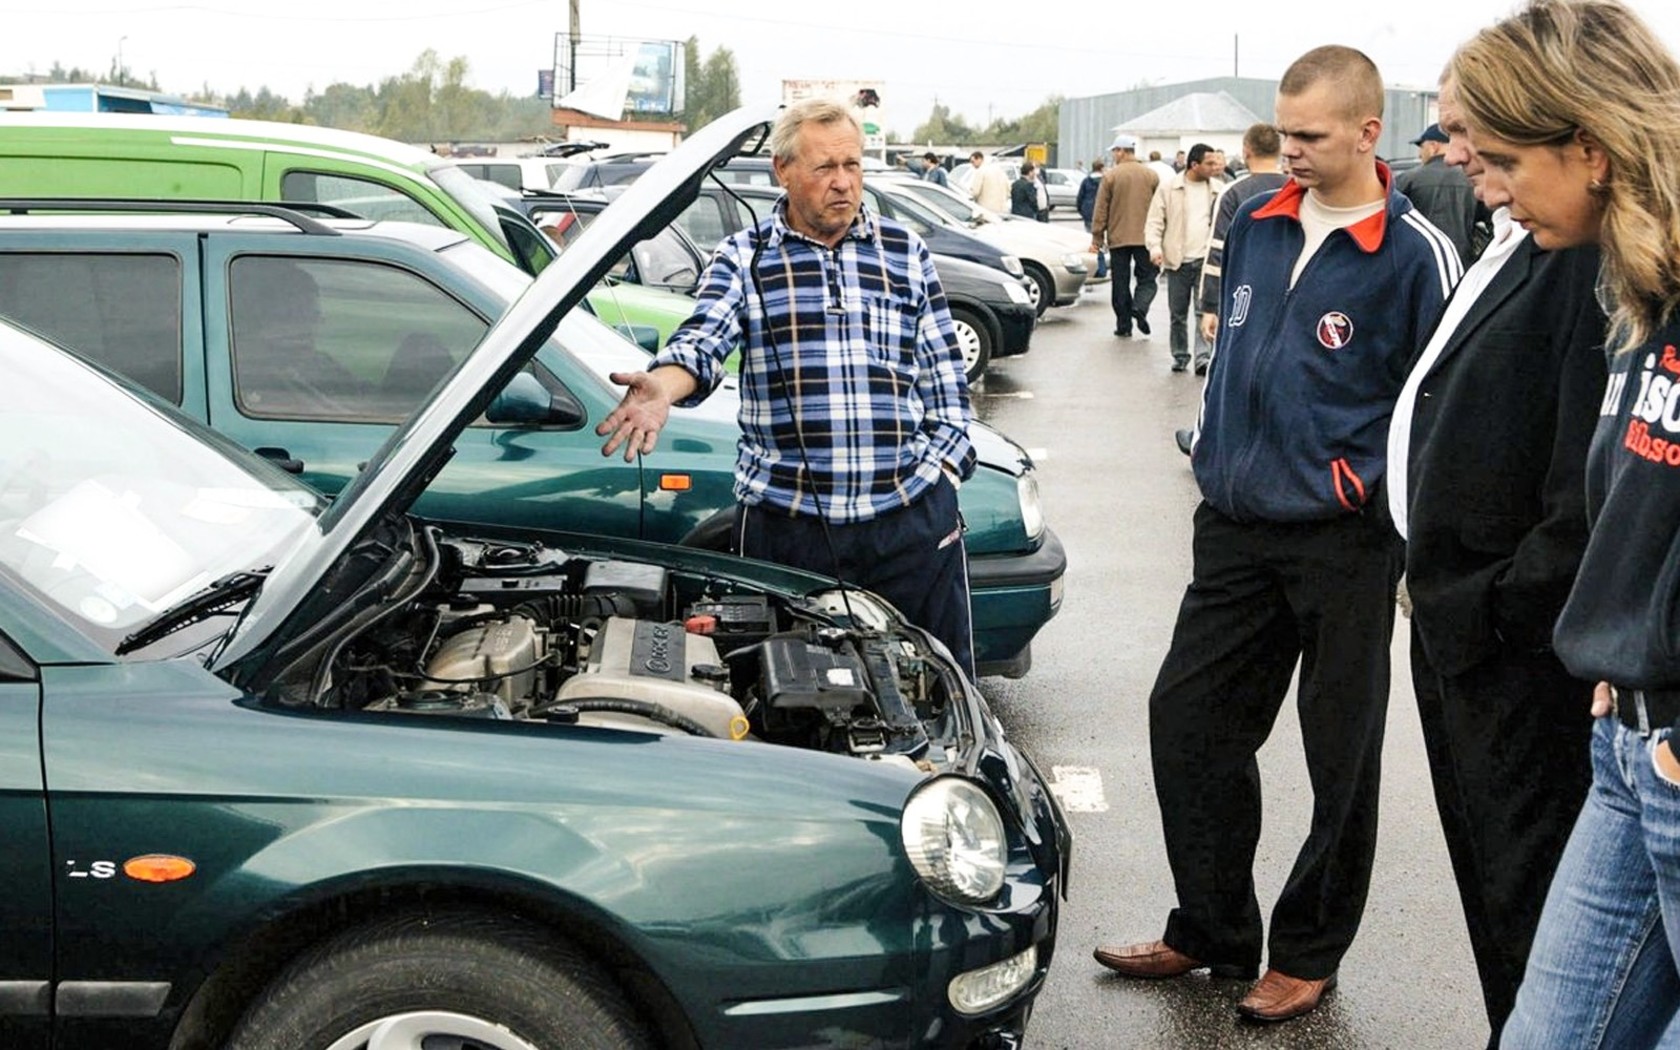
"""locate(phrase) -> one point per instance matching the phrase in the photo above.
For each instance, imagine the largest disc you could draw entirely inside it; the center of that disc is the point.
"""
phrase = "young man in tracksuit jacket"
(1293, 555)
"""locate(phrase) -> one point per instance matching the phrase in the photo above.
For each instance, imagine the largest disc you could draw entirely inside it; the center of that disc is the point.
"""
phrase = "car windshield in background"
(467, 192)
(111, 510)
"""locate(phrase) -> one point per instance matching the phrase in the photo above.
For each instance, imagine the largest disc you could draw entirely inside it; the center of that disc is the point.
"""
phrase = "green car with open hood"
(292, 774)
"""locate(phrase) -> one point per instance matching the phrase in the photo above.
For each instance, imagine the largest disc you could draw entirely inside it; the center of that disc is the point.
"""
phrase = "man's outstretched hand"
(639, 417)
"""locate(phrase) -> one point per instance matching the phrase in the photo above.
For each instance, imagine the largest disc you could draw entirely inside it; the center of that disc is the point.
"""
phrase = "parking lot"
(1098, 413)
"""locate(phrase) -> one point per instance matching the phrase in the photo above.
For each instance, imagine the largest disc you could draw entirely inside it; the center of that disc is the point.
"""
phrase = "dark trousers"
(913, 557)
(1509, 745)
(1125, 264)
(1181, 303)
(1262, 595)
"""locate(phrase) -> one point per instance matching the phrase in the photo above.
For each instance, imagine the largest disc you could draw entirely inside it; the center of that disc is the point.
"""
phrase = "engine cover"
(653, 662)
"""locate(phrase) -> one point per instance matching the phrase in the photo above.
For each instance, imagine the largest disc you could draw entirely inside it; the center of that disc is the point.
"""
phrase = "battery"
(800, 674)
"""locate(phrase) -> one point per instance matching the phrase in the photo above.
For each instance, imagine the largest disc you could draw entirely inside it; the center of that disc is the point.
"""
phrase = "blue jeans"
(1602, 970)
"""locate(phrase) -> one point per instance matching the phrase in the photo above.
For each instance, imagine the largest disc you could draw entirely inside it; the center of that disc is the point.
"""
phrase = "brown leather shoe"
(1279, 997)
(1155, 961)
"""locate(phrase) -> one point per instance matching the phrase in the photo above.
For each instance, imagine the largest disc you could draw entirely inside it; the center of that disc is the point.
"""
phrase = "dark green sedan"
(287, 774)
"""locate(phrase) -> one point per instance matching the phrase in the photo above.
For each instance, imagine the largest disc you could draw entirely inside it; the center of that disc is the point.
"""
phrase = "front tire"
(974, 339)
(467, 979)
(1043, 291)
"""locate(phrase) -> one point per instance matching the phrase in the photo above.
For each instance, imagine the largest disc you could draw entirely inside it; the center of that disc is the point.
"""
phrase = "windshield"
(513, 230)
(947, 202)
(113, 509)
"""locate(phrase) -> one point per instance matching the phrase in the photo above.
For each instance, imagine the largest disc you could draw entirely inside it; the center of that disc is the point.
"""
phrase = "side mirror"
(645, 336)
(525, 401)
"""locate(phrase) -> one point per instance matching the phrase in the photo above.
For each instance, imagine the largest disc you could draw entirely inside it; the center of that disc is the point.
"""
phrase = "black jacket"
(1445, 197)
(1023, 198)
(1496, 500)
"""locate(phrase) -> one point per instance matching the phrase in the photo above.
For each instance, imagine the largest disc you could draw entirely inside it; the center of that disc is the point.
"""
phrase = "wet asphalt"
(1098, 413)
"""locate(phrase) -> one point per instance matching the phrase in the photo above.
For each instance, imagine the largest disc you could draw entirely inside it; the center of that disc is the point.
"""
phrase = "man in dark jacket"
(1087, 204)
(1514, 374)
(1329, 283)
(1443, 194)
(1023, 193)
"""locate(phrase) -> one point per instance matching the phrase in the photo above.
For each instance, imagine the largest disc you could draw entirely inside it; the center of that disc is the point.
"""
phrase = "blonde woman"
(1573, 107)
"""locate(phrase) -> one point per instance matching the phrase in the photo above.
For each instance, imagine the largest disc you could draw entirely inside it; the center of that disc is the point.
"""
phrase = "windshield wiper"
(214, 600)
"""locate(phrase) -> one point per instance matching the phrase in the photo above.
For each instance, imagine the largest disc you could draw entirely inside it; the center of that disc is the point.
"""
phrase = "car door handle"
(282, 459)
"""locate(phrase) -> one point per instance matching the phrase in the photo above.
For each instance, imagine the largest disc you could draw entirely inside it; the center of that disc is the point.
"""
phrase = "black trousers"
(913, 557)
(1509, 755)
(1262, 596)
(1123, 265)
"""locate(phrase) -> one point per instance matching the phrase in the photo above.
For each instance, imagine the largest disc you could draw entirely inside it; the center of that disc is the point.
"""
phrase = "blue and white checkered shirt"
(852, 345)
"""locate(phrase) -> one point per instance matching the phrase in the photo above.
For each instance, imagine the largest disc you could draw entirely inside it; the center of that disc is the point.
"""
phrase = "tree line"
(433, 102)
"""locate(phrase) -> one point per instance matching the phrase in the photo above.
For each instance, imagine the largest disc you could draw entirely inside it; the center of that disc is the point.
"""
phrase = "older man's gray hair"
(785, 135)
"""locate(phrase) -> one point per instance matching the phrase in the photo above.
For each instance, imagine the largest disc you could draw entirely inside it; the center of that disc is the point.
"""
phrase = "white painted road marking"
(1078, 788)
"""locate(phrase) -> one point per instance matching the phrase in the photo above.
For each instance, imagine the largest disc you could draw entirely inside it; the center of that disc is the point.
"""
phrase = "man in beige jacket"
(990, 186)
(1122, 208)
(1180, 222)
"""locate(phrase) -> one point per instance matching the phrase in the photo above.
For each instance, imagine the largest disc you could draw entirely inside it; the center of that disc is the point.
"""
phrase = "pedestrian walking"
(1117, 224)
(1177, 231)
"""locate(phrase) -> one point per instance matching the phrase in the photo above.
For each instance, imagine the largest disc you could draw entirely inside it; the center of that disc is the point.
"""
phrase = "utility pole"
(120, 76)
(577, 27)
(1235, 46)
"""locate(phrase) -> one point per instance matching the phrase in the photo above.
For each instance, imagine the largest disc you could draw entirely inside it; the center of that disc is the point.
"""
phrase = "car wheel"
(1043, 290)
(974, 339)
(464, 979)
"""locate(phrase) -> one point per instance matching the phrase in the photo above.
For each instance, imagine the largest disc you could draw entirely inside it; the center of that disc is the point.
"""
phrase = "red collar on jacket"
(1367, 232)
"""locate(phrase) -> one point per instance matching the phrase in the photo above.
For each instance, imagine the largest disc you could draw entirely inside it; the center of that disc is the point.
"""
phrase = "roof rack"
(293, 212)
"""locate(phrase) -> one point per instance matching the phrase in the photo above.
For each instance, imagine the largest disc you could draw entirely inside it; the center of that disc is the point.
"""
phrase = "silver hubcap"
(426, 1029)
(968, 341)
(1033, 291)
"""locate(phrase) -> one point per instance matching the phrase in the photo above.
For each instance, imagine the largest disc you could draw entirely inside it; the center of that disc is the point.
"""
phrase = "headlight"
(1012, 265)
(954, 837)
(1032, 515)
(1016, 292)
(1075, 263)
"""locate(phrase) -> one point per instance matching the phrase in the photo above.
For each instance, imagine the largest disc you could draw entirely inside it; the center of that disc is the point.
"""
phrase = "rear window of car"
(122, 310)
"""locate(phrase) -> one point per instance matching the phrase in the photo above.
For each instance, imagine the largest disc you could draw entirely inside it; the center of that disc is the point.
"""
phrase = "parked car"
(990, 310)
(1055, 258)
(286, 773)
(1054, 252)
(308, 341)
(717, 213)
(1062, 184)
(517, 173)
(83, 155)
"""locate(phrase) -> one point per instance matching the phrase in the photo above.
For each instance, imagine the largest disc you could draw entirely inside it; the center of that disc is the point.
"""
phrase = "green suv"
(310, 340)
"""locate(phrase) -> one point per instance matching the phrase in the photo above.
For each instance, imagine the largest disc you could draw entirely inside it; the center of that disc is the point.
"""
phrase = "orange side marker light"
(158, 867)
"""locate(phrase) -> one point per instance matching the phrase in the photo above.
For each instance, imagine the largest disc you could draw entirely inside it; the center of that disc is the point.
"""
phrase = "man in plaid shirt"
(854, 408)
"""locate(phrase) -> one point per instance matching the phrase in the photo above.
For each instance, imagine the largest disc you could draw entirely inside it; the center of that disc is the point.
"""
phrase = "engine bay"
(507, 630)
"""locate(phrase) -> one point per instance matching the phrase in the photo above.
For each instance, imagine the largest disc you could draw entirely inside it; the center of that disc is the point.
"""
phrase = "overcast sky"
(982, 59)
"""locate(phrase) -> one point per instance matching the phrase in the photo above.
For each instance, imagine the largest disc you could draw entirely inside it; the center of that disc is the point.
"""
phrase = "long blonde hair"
(1562, 66)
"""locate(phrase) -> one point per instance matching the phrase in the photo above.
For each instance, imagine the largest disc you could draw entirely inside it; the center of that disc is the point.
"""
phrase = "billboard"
(654, 86)
(864, 96)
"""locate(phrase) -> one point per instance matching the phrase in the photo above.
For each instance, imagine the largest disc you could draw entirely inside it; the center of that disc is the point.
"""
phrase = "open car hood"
(417, 451)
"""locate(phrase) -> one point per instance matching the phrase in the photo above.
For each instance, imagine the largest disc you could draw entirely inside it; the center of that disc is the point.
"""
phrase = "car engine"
(520, 631)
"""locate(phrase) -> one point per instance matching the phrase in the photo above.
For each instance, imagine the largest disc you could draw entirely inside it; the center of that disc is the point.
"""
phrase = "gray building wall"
(1086, 125)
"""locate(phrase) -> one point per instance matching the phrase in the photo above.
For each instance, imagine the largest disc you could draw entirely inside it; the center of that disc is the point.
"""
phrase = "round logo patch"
(1334, 330)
